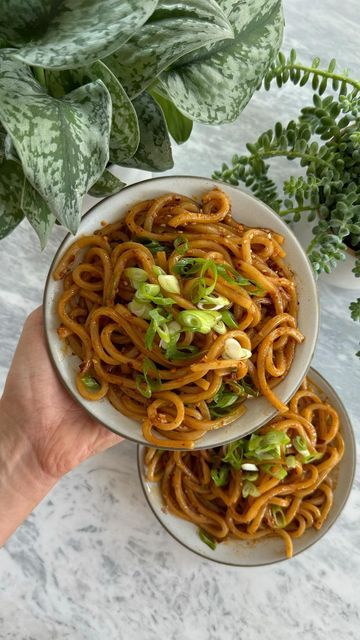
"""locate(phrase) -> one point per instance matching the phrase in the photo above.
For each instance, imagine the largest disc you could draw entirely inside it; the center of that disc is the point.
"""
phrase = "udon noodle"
(178, 313)
(276, 482)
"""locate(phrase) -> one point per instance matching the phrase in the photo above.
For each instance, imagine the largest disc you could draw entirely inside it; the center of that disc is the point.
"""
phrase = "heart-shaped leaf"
(107, 185)
(37, 212)
(62, 143)
(214, 84)
(11, 183)
(154, 150)
(179, 126)
(124, 138)
(184, 25)
(70, 33)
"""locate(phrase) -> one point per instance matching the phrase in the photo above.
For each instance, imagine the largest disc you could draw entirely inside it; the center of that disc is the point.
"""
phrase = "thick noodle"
(286, 499)
(245, 265)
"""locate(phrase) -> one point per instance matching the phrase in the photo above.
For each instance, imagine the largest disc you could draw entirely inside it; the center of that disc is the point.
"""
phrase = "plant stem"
(285, 212)
(291, 154)
(321, 72)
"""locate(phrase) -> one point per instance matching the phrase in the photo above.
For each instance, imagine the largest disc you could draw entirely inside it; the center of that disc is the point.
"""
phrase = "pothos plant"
(85, 83)
(325, 139)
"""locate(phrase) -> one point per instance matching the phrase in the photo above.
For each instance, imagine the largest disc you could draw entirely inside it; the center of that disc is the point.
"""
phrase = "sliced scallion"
(208, 539)
(135, 276)
(169, 283)
(90, 383)
(198, 320)
(249, 489)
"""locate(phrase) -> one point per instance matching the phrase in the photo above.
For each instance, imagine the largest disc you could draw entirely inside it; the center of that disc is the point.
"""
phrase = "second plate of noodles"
(181, 314)
(264, 497)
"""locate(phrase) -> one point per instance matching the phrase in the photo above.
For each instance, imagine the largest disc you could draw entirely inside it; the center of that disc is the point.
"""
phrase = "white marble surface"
(92, 562)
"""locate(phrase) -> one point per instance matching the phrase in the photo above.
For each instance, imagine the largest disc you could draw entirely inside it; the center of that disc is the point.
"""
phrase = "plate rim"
(133, 186)
(321, 533)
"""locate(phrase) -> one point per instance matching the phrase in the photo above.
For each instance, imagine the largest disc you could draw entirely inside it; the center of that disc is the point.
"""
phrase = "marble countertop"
(92, 562)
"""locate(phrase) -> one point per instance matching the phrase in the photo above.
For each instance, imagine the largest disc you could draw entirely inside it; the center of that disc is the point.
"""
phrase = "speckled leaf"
(179, 126)
(37, 212)
(9, 149)
(11, 182)
(184, 25)
(70, 33)
(62, 143)
(124, 138)
(214, 84)
(2, 141)
(154, 151)
(107, 185)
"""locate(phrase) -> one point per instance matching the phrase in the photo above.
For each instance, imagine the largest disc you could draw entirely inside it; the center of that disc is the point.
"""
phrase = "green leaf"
(214, 84)
(124, 137)
(154, 150)
(179, 126)
(62, 143)
(11, 182)
(184, 25)
(10, 151)
(70, 33)
(106, 185)
(37, 212)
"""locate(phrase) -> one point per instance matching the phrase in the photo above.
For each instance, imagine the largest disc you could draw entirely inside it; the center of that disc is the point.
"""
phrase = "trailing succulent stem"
(325, 141)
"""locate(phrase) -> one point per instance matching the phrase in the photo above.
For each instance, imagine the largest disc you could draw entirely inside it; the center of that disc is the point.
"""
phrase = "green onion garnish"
(235, 453)
(198, 320)
(267, 447)
(169, 283)
(220, 328)
(279, 516)
(151, 292)
(249, 489)
(181, 245)
(149, 380)
(140, 309)
(229, 319)
(251, 475)
(207, 539)
(300, 445)
(158, 270)
(213, 302)
(220, 476)
(153, 245)
(290, 462)
(135, 276)
(222, 400)
(90, 383)
(158, 324)
(275, 471)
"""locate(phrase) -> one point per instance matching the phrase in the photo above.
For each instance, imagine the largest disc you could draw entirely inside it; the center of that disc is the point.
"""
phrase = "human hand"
(44, 433)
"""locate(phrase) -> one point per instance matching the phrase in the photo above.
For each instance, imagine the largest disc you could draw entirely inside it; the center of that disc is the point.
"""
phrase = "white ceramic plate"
(246, 209)
(268, 550)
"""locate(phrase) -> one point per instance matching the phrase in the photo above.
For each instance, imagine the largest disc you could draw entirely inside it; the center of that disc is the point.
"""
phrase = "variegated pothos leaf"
(37, 213)
(62, 143)
(124, 137)
(154, 150)
(11, 182)
(213, 84)
(70, 33)
(180, 127)
(174, 29)
(106, 185)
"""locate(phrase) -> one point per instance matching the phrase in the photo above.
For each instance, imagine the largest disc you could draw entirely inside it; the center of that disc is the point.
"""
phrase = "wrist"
(23, 484)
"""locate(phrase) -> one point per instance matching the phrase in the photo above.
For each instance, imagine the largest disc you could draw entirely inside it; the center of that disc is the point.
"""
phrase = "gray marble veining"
(91, 561)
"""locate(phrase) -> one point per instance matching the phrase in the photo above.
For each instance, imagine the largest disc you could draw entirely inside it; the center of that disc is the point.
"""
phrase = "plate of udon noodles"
(183, 314)
(264, 497)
